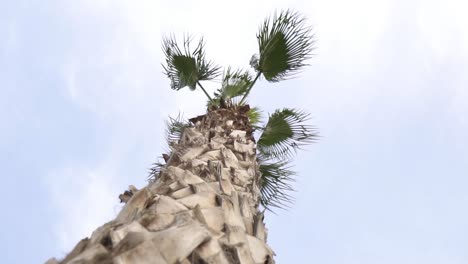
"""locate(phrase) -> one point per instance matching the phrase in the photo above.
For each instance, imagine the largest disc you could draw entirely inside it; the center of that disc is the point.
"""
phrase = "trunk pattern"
(203, 207)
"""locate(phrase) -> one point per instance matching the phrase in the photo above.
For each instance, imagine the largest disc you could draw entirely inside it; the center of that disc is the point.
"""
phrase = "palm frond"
(255, 115)
(275, 184)
(174, 128)
(207, 70)
(284, 44)
(284, 133)
(187, 68)
(154, 171)
(235, 83)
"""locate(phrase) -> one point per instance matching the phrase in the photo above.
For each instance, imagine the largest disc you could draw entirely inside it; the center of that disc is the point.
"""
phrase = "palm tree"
(206, 203)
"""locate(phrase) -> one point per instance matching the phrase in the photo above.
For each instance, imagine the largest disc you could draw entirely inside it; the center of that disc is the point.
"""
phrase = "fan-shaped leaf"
(235, 83)
(275, 184)
(284, 44)
(187, 68)
(284, 133)
(255, 115)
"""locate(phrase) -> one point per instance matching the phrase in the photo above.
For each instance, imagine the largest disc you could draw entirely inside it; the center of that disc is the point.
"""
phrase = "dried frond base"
(202, 209)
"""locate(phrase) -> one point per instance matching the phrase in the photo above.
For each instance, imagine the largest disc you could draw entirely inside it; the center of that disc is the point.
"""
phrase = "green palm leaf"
(284, 44)
(235, 83)
(255, 115)
(187, 68)
(275, 184)
(174, 128)
(154, 171)
(284, 133)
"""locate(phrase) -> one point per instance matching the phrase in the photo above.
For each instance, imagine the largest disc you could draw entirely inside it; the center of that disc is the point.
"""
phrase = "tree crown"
(284, 44)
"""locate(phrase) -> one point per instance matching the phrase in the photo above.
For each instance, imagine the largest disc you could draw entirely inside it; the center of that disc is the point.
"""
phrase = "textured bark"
(203, 207)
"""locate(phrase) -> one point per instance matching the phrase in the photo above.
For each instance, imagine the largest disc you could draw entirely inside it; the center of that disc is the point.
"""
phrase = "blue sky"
(83, 102)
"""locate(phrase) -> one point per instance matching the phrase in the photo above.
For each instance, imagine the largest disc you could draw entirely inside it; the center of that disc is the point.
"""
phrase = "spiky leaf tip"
(235, 83)
(275, 184)
(187, 68)
(284, 133)
(285, 42)
(255, 115)
(174, 128)
(154, 171)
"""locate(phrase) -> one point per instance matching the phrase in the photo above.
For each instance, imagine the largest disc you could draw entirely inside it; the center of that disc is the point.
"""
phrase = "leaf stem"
(203, 89)
(250, 88)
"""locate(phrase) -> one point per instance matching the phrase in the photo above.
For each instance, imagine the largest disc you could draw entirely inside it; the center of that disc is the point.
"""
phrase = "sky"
(83, 101)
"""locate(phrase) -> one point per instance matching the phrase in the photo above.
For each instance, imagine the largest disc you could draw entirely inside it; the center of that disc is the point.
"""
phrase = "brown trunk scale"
(203, 207)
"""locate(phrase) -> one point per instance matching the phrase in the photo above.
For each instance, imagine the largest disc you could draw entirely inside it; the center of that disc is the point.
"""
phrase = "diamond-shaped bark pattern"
(203, 208)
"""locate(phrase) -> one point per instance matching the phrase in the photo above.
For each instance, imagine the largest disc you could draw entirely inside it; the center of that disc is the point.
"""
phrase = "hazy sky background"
(83, 100)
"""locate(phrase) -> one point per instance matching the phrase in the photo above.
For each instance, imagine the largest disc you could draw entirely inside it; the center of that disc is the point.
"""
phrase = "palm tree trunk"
(203, 207)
